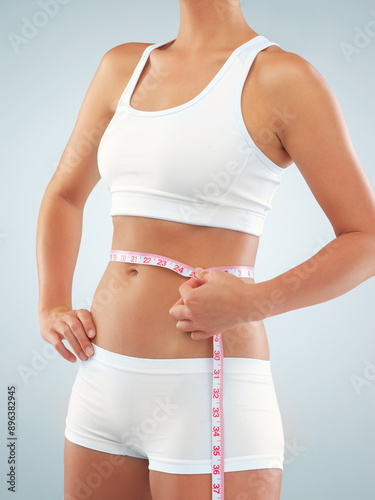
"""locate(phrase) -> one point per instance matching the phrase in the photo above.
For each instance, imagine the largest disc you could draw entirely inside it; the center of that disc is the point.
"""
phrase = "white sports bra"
(195, 163)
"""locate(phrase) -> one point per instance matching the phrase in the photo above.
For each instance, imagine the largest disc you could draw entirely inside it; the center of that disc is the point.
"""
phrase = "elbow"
(369, 245)
(363, 243)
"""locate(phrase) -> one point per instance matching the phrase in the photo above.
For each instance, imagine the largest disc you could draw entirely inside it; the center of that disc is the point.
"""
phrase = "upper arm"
(77, 172)
(318, 141)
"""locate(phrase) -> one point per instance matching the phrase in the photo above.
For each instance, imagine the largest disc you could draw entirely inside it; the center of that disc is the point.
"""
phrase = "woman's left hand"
(209, 307)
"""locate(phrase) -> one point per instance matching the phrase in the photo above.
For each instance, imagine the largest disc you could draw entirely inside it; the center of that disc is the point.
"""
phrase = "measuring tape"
(217, 416)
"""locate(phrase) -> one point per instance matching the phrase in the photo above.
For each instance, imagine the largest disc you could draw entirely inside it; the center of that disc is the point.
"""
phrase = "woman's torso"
(130, 307)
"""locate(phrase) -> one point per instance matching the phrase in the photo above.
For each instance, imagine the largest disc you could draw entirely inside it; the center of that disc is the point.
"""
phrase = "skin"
(277, 79)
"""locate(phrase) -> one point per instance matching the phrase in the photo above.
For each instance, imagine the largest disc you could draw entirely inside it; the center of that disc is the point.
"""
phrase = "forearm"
(58, 240)
(337, 268)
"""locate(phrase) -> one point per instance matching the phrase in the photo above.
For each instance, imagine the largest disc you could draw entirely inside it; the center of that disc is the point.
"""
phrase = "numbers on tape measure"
(174, 265)
(216, 469)
(216, 412)
(216, 451)
(216, 488)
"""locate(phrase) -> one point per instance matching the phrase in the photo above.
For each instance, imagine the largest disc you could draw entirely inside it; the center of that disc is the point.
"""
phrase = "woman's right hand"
(73, 325)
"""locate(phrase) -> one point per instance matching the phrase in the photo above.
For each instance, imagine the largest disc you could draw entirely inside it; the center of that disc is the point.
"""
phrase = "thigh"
(257, 484)
(94, 475)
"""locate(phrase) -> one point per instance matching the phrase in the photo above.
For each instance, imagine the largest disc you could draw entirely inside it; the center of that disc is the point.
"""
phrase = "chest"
(167, 84)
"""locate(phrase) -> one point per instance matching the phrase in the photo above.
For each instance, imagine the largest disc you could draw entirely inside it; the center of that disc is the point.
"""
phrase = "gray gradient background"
(315, 352)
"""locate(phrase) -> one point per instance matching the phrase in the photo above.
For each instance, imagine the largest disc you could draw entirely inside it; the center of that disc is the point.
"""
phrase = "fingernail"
(89, 351)
(82, 355)
(198, 270)
(91, 332)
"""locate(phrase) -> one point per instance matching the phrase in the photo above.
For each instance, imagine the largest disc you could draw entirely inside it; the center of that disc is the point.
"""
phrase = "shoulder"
(287, 76)
(123, 58)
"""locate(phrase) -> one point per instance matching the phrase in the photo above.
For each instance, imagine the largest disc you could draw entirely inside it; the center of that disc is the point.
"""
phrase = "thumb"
(201, 274)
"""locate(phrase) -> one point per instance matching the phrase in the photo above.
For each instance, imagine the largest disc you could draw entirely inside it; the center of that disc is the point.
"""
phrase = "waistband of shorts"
(177, 365)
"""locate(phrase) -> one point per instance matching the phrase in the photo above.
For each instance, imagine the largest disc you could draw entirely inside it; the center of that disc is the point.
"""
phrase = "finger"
(186, 287)
(180, 312)
(199, 281)
(77, 329)
(199, 335)
(64, 328)
(185, 325)
(175, 308)
(54, 339)
(178, 302)
(194, 282)
(85, 318)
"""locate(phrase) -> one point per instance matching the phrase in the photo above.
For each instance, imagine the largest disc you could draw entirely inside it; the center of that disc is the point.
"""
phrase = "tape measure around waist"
(174, 265)
(217, 416)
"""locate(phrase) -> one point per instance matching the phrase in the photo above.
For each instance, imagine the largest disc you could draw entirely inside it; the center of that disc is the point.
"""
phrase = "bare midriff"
(131, 304)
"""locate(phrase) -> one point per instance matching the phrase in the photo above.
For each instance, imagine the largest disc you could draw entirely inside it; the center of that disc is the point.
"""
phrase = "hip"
(160, 409)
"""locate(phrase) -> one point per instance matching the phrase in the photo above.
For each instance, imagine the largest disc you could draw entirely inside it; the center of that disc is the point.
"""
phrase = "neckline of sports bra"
(174, 109)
